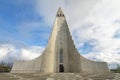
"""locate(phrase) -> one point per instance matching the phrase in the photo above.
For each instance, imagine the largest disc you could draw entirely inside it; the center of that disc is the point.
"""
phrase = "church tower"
(61, 47)
(60, 55)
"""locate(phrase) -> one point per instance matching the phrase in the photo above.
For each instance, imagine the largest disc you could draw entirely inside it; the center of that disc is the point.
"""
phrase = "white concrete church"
(60, 55)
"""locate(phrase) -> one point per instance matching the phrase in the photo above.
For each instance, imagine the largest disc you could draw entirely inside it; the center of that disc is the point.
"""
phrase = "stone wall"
(89, 66)
(32, 66)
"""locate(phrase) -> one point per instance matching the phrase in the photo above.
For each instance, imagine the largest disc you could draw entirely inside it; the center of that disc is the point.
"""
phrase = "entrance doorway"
(61, 68)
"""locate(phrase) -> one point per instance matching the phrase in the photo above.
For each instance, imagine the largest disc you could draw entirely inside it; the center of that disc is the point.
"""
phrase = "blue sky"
(25, 26)
(13, 15)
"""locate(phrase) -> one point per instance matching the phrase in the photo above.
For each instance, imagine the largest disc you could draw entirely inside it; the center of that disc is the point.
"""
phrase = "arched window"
(61, 55)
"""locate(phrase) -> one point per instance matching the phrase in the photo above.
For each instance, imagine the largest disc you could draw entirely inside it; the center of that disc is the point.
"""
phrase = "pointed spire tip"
(60, 12)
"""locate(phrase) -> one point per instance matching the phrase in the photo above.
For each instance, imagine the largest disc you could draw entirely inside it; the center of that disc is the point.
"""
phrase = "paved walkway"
(60, 76)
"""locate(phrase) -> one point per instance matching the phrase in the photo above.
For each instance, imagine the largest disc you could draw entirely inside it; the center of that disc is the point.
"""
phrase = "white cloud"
(103, 17)
(9, 52)
(32, 52)
(4, 49)
(89, 20)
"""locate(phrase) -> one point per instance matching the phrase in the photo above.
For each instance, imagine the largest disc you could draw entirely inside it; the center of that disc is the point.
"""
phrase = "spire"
(60, 13)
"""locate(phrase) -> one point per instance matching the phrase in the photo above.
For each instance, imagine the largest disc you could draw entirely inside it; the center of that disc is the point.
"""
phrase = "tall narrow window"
(61, 55)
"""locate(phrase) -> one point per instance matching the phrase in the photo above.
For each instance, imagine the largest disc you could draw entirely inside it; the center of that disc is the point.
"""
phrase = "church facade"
(60, 55)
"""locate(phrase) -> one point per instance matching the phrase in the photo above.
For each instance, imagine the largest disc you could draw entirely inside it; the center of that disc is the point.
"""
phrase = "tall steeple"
(61, 45)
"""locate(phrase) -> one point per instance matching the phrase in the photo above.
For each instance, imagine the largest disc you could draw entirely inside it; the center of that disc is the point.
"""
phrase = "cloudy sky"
(25, 26)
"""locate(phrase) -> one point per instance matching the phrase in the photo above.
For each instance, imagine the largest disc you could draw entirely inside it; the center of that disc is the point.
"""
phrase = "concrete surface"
(60, 76)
